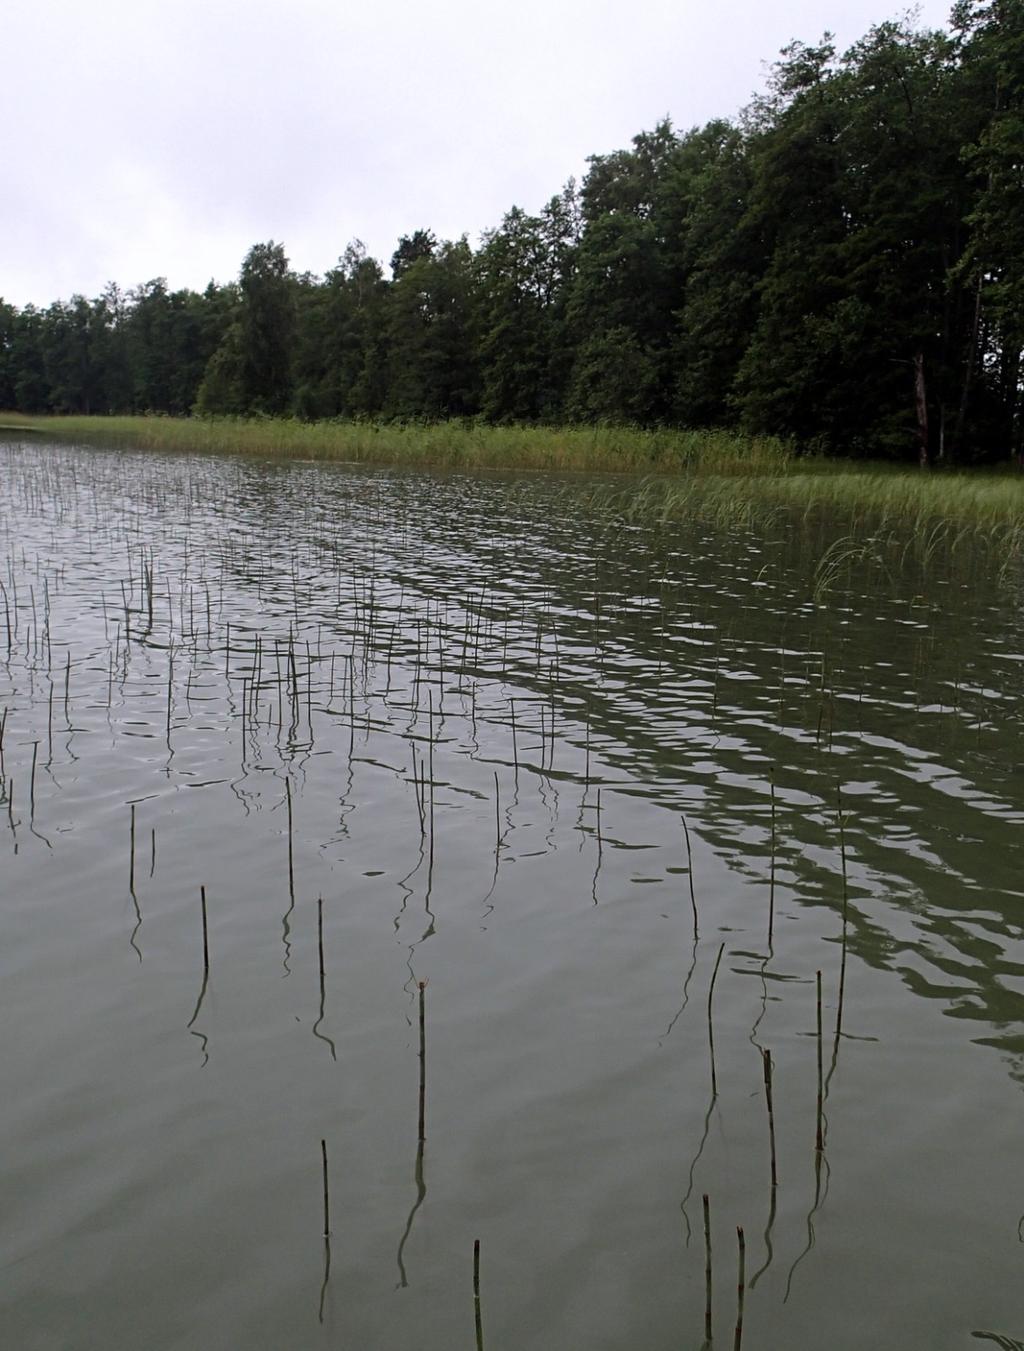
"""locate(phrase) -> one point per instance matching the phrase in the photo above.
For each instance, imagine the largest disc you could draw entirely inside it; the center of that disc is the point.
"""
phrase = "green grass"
(857, 495)
(859, 511)
(851, 518)
(453, 445)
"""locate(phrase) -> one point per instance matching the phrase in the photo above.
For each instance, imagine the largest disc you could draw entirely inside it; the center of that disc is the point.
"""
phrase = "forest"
(841, 265)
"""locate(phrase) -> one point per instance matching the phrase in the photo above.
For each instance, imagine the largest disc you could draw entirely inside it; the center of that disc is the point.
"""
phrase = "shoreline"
(469, 445)
(655, 475)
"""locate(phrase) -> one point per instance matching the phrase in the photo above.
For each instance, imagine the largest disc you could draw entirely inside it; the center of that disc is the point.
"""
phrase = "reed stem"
(476, 1296)
(423, 1061)
(711, 1026)
(291, 857)
(819, 1142)
(846, 919)
(771, 886)
(707, 1270)
(206, 936)
(327, 1194)
(767, 1059)
(689, 869)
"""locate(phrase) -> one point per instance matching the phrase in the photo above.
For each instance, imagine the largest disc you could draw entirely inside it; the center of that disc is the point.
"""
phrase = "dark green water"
(491, 712)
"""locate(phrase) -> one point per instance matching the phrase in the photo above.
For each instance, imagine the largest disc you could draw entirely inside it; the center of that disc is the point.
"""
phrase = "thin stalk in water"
(711, 1026)
(323, 983)
(206, 934)
(846, 918)
(327, 1193)
(771, 885)
(707, 1270)
(819, 1141)
(423, 1062)
(767, 1059)
(476, 1296)
(291, 852)
(689, 870)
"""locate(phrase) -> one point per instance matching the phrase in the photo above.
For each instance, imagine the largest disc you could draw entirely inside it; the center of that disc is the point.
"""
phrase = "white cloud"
(145, 138)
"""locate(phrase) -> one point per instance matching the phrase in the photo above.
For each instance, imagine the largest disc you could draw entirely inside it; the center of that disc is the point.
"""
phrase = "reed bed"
(959, 505)
(868, 520)
(658, 476)
(467, 444)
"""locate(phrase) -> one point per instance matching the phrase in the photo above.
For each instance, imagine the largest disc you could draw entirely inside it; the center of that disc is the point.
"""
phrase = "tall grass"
(719, 477)
(853, 517)
(460, 444)
(857, 496)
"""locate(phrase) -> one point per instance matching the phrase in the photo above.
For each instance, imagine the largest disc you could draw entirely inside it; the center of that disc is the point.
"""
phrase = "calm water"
(428, 744)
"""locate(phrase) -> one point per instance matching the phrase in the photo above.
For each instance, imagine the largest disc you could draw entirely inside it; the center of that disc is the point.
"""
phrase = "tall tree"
(992, 265)
(432, 368)
(515, 334)
(266, 323)
(620, 308)
(721, 257)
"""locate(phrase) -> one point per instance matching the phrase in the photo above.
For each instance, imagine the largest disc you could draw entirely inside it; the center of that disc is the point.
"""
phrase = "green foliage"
(266, 324)
(614, 379)
(431, 367)
(222, 388)
(720, 257)
(8, 328)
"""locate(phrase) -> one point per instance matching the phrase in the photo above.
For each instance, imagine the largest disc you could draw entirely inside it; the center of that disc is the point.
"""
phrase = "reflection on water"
(463, 729)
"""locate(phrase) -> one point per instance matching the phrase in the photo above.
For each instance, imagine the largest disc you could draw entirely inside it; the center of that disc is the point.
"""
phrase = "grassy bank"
(450, 445)
(858, 496)
(850, 520)
(720, 477)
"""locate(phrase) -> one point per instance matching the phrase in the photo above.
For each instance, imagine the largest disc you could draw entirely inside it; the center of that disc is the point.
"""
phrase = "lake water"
(429, 743)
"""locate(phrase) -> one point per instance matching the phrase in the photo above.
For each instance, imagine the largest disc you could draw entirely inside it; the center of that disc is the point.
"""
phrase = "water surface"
(430, 741)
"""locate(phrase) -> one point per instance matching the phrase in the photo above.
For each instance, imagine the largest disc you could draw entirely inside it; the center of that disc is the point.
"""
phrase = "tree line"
(842, 264)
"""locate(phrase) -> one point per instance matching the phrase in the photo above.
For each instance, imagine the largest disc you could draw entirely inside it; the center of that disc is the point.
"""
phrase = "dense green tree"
(414, 248)
(338, 348)
(222, 389)
(720, 259)
(431, 365)
(168, 346)
(26, 367)
(266, 328)
(905, 226)
(614, 378)
(623, 293)
(71, 344)
(8, 328)
(992, 265)
(514, 310)
(796, 207)
(561, 225)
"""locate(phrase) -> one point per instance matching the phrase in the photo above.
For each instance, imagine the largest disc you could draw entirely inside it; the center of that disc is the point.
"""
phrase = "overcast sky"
(144, 138)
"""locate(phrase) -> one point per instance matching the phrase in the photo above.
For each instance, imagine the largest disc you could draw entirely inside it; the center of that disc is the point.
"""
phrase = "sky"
(146, 138)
